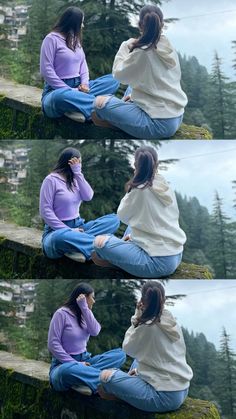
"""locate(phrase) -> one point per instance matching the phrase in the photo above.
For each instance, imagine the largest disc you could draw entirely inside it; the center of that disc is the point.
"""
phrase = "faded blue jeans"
(56, 243)
(130, 118)
(134, 260)
(57, 102)
(137, 392)
(69, 374)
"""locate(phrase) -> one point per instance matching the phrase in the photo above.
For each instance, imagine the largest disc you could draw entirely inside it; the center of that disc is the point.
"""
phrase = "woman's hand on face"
(83, 88)
(80, 297)
(74, 160)
(139, 305)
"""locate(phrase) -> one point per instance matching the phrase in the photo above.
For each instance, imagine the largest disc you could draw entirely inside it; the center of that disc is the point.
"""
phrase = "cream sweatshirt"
(154, 75)
(160, 351)
(152, 213)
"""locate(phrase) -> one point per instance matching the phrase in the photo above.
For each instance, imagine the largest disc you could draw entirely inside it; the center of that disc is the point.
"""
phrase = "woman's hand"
(133, 372)
(80, 297)
(139, 305)
(127, 238)
(74, 160)
(83, 88)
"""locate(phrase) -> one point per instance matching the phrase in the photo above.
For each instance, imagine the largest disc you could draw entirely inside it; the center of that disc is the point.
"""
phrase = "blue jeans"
(57, 102)
(64, 376)
(64, 240)
(137, 392)
(134, 260)
(130, 118)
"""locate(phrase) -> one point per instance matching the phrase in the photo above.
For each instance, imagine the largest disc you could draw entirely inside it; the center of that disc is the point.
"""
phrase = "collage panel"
(182, 226)
(117, 209)
(140, 346)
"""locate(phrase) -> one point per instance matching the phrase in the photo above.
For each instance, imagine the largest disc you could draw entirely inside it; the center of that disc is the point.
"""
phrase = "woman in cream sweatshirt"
(159, 378)
(150, 66)
(153, 243)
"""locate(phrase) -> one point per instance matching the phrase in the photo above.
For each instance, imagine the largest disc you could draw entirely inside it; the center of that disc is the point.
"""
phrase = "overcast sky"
(209, 305)
(207, 166)
(201, 36)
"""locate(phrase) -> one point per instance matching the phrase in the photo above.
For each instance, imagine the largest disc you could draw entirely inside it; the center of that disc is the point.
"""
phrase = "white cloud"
(208, 307)
(201, 36)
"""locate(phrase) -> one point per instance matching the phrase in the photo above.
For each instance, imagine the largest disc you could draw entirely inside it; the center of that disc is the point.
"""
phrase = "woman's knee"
(100, 241)
(101, 101)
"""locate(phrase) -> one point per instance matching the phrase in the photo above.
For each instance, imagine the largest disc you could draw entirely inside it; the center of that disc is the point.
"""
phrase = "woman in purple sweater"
(61, 195)
(63, 66)
(70, 328)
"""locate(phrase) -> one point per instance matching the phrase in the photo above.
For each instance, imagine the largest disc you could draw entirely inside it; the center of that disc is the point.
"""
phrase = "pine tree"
(221, 251)
(234, 48)
(226, 385)
(221, 102)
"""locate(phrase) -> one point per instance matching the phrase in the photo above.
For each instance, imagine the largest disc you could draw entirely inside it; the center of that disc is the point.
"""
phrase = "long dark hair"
(82, 288)
(146, 163)
(63, 167)
(153, 299)
(150, 24)
(70, 25)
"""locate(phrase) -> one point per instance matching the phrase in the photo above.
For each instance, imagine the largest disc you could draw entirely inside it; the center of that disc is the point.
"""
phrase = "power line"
(168, 296)
(205, 14)
(168, 20)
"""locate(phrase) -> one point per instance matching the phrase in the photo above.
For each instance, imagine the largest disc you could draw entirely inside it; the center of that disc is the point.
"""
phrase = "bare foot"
(100, 262)
(104, 395)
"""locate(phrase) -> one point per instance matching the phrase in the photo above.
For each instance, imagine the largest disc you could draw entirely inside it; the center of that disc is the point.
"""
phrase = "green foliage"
(226, 383)
(210, 238)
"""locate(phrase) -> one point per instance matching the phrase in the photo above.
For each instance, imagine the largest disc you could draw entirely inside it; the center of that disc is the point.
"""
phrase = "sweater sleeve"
(93, 327)
(85, 190)
(134, 340)
(129, 66)
(84, 71)
(55, 336)
(47, 70)
(126, 208)
(46, 210)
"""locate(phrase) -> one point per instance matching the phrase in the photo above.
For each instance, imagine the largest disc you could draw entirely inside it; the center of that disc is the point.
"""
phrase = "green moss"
(191, 271)
(30, 123)
(192, 132)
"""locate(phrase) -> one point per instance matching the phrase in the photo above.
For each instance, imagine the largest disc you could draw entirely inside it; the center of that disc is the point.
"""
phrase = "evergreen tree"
(195, 83)
(226, 383)
(221, 102)
(234, 48)
(222, 243)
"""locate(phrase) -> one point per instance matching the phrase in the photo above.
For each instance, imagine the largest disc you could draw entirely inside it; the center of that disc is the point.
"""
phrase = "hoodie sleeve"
(54, 338)
(129, 66)
(85, 190)
(93, 327)
(46, 200)
(134, 340)
(126, 208)
(47, 70)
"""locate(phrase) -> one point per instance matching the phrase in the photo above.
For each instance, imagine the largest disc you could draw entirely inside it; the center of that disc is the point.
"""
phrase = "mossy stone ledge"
(21, 117)
(25, 393)
(21, 257)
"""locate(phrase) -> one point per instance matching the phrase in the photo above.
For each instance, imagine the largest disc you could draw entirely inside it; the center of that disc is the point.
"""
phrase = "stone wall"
(21, 117)
(21, 257)
(25, 394)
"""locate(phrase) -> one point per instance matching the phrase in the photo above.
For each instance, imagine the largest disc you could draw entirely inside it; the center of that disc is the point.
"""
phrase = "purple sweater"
(58, 62)
(66, 337)
(58, 203)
